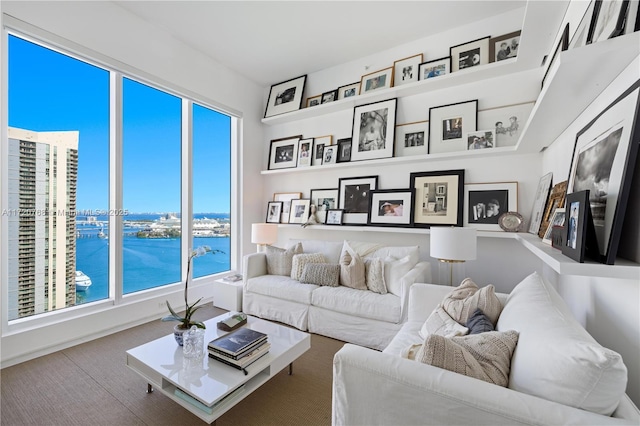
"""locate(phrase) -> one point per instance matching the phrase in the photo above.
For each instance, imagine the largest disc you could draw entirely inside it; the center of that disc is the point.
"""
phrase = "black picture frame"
(391, 207)
(606, 150)
(285, 97)
(354, 198)
(607, 24)
(274, 211)
(583, 31)
(349, 90)
(334, 217)
(576, 225)
(373, 130)
(283, 152)
(344, 150)
(434, 68)
(426, 211)
(563, 44)
(330, 96)
(470, 54)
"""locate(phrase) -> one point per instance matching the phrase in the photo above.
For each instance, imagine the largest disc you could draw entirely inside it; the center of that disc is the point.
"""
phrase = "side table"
(228, 295)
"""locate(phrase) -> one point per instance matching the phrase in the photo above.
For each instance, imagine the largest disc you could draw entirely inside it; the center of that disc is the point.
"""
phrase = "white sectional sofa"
(558, 374)
(361, 317)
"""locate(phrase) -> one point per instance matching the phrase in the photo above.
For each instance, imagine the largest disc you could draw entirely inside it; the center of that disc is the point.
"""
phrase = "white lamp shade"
(453, 243)
(264, 233)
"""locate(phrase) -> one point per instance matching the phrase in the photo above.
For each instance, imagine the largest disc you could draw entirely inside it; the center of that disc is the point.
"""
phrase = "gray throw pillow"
(321, 274)
(478, 322)
(279, 260)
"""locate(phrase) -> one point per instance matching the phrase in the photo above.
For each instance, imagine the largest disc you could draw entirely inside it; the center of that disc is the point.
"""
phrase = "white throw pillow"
(394, 270)
(300, 260)
(440, 323)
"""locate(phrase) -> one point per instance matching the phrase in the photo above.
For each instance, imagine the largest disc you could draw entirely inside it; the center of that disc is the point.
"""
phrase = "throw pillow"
(374, 275)
(352, 272)
(300, 260)
(485, 356)
(279, 260)
(394, 270)
(321, 274)
(479, 323)
(440, 323)
(467, 297)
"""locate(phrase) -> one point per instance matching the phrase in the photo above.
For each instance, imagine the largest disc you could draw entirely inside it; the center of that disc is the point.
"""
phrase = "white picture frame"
(319, 143)
(448, 125)
(411, 139)
(537, 211)
(324, 200)
(507, 122)
(557, 219)
(330, 155)
(305, 151)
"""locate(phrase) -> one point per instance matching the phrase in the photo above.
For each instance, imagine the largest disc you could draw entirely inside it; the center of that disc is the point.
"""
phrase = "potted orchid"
(186, 321)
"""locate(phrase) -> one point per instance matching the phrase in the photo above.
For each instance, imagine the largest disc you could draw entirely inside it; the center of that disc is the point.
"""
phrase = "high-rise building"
(43, 169)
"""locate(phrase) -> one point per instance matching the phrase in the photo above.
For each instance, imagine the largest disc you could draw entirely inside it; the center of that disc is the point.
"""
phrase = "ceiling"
(273, 41)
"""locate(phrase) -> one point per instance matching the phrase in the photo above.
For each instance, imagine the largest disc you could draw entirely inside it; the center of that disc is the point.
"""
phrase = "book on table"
(238, 342)
(244, 361)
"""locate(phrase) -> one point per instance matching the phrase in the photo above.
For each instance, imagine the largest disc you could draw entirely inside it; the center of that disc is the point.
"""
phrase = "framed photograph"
(334, 217)
(349, 90)
(344, 150)
(283, 153)
(632, 22)
(507, 121)
(435, 68)
(486, 202)
(438, 198)
(286, 198)
(330, 155)
(406, 70)
(376, 80)
(324, 200)
(448, 125)
(563, 44)
(354, 198)
(411, 139)
(556, 200)
(373, 130)
(603, 161)
(608, 19)
(285, 97)
(542, 194)
(557, 219)
(577, 225)
(274, 210)
(581, 35)
(299, 211)
(314, 100)
(330, 96)
(470, 54)
(391, 207)
(481, 139)
(305, 146)
(504, 46)
(318, 148)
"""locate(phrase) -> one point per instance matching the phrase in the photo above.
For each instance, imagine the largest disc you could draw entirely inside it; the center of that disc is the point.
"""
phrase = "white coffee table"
(209, 387)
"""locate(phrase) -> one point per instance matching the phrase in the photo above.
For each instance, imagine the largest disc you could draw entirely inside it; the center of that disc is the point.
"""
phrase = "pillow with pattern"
(300, 260)
(374, 275)
(327, 274)
(467, 297)
(279, 260)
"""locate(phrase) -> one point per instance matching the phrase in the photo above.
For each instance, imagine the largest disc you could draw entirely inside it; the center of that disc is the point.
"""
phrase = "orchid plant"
(185, 321)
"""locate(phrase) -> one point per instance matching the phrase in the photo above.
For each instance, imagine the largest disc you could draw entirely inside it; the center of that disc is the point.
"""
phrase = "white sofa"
(362, 317)
(556, 367)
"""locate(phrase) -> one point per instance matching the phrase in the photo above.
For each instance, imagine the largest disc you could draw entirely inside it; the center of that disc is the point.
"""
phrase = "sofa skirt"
(271, 308)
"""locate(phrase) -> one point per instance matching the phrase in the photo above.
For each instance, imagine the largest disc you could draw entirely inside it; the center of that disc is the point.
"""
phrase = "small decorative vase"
(193, 343)
(178, 332)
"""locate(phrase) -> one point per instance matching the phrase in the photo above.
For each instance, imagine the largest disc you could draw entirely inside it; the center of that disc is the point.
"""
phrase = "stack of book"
(240, 348)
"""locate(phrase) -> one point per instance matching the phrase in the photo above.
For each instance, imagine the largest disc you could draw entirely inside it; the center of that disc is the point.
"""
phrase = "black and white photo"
(325, 200)
(411, 139)
(373, 130)
(449, 124)
(314, 100)
(285, 97)
(481, 139)
(283, 153)
(330, 154)
(344, 150)
(330, 96)
(318, 148)
(349, 90)
(299, 211)
(334, 217)
(507, 122)
(609, 19)
(305, 147)
(354, 198)
(470, 54)
(557, 219)
(578, 238)
(274, 210)
(504, 46)
(486, 202)
(406, 70)
(285, 198)
(438, 198)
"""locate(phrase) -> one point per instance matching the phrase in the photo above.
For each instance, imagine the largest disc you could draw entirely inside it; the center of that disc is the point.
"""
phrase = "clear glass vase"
(193, 343)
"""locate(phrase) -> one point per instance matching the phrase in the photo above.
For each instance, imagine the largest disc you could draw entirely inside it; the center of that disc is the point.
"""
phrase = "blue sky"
(52, 92)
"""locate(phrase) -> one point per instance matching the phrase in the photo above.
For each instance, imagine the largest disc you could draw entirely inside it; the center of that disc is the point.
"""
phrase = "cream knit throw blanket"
(466, 298)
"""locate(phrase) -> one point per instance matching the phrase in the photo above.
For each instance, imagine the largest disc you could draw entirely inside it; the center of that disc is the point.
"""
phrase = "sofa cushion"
(398, 252)
(281, 287)
(440, 323)
(330, 249)
(467, 297)
(394, 270)
(485, 356)
(374, 275)
(279, 260)
(556, 359)
(321, 274)
(300, 260)
(479, 323)
(358, 303)
(352, 270)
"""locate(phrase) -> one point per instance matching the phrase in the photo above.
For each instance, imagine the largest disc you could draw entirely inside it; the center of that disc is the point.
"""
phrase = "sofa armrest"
(423, 299)
(419, 274)
(375, 388)
(254, 265)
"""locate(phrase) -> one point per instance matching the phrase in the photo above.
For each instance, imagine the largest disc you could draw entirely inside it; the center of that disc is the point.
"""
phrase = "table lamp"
(452, 245)
(264, 234)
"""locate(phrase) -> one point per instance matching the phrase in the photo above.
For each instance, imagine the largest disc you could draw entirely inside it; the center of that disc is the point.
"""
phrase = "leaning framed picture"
(314, 100)
(563, 44)
(373, 130)
(438, 198)
(354, 198)
(448, 125)
(542, 194)
(391, 207)
(435, 68)
(504, 46)
(577, 222)
(608, 19)
(299, 211)
(330, 96)
(324, 200)
(283, 152)
(557, 219)
(406, 70)
(334, 217)
(411, 139)
(285, 97)
(470, 54)
(556, 200)
(349, 90)
(305, 147)
(344, 150)
(274, 210)
(330, 155)
(285, 198)
(318, 148)
(603, 161)
(507, 121)
(485, 202)
(376, 80)
(481, 139)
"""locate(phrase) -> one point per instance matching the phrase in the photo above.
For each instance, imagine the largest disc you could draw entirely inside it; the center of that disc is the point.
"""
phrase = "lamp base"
(451, 272)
